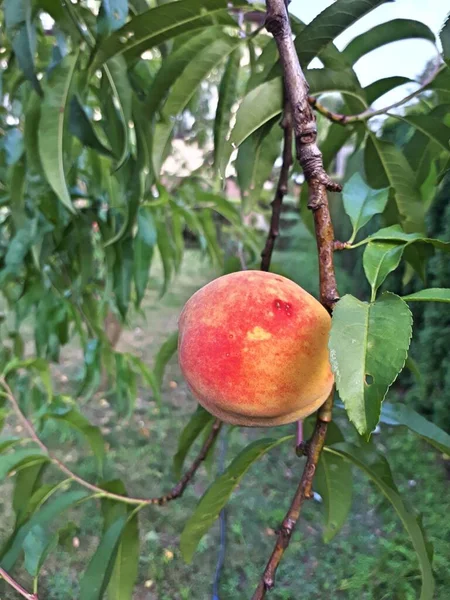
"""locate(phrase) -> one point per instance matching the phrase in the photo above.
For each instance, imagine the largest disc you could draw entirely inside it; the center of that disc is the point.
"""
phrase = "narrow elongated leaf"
(116, 72)
(333, 481)
(123, 272)
(43, 517)
(27, 480)
(9, 462)
(51, 127)
(22, 33)
(218, 494)
(162, 23)
(395, 233)
(174, 65)
(380, 259)
(429, 295)
(227, 97)
(166, 253)
(113, 14)
(147, 375)
(386, 33)
(380, 474)
(97, 575)
(368, 348)
(385, 165)
(432, 127)
(328, 24)
(144, 244)
(378, 88)
(163, 356)
(196, 424)
(444, 36)
(361, 202)
(81, 127)
(37, 546)
(125, 572)
(400, 414)
(182, 91)
(75, 419)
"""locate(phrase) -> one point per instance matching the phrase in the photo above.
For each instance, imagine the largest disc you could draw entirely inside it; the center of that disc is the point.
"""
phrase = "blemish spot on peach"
(258, 334)
(278, 304)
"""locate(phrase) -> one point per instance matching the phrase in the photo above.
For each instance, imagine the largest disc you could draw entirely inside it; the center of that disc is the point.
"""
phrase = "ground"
(370, 559)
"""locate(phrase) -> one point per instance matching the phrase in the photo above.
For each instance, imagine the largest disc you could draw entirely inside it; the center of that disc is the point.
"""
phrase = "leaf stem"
(13, 583)
(174, 493)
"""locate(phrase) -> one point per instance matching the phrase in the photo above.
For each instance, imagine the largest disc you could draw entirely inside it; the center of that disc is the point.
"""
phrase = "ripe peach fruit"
(253, 349)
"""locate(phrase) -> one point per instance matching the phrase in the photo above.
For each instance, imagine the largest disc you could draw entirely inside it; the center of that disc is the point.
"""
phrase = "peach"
(253, 349)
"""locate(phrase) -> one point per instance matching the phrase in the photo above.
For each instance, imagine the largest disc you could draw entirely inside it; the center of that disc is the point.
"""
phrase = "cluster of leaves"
(91, 103)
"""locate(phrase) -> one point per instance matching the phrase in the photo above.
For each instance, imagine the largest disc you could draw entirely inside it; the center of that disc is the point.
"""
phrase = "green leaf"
(386, 33)
(22, 33)
(361, 202)
(378, 88)
(51, 126)
(255, 161)
(147, 375)
(227, 97)
(391, 169)
(380, 474)
(259, 106)
(38, 364)
(79, 422)
(196, 424)
(163, 356)
(113, 14)
(43, 517)
(81, 127)
(218, 494)
(162, 23)
(116, 73)
(183, 90)
(395, 233)
(328, 24)
(37, 546)
(444, 36)
(125, 572)
(123, 272)
(174, 65)
(14, 460)
(97, 575)
(27, 481)
(333, 481)
(380, 259)
(429, 295)
(400, 414)
(144, 244)
(368, 348)
(432, 127)
(166, 252)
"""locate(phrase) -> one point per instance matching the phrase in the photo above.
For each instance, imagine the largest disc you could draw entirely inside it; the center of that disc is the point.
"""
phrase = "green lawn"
(371, 558)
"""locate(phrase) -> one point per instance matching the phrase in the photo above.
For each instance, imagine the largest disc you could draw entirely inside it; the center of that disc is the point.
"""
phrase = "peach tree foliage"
(91, 104)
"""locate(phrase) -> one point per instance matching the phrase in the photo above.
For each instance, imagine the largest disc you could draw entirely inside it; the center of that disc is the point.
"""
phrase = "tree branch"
(281, 191)
(370, 112)
(310, 158)
(13, 583)
(174, 493)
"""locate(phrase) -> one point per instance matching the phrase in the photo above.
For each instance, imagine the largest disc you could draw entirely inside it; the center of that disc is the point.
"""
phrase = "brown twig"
(174, 493)
(281, 191)
(370, 112)
(310, 158)
(13, 583)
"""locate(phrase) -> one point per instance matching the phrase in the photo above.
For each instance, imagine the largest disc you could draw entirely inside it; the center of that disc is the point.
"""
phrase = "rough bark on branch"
(319, 182)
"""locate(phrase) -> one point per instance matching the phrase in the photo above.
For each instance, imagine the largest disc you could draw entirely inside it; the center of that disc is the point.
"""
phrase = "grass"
(370, 559)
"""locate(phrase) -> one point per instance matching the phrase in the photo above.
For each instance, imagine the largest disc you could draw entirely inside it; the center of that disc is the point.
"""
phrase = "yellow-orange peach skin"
(253, 348)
